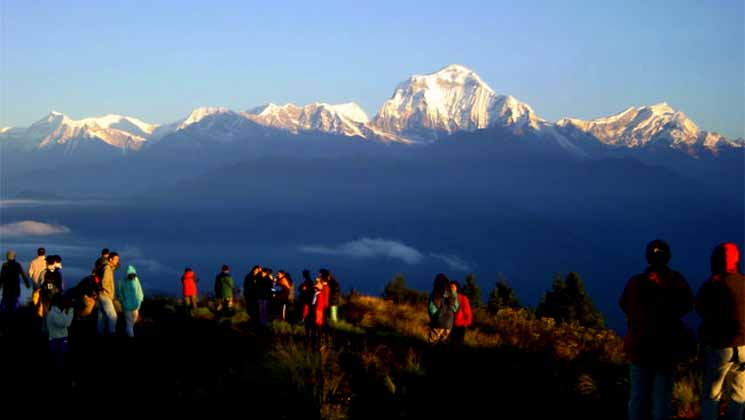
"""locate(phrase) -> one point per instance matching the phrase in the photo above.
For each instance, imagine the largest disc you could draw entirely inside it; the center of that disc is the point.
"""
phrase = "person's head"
(324, 274)
(188, 270)
(225, 268)
(454, 286)
(256, 270)
(441, 284)
(41, 252)
(11, 255)
(306, 275)
(49, 260)
(658, 253)
(113, 258)
(131, 272)
(725, 259)
(58, 300)
(105, 252)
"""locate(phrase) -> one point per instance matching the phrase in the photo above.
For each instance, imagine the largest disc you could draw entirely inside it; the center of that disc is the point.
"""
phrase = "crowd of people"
(100, 299)
(654, 301)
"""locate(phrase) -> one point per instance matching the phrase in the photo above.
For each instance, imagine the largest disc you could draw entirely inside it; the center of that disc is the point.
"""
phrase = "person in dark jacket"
(224, 289)
(250, 291)
(283, 292)
(464, 316)
(654, 302)
(264, 293)
(443, 304)
(10, 282)
(721, 305)
(305, 294)
(100, 263)
(334, 294)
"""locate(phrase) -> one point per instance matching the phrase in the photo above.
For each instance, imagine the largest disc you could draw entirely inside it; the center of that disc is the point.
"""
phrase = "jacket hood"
(131, 270)
(725, 259)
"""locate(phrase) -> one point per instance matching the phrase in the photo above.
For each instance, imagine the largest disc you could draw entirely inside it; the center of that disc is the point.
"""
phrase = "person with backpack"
(443, 305)
(10, 282)
(35, 270)
(463, 318)
(334, 294)
(106, 311)
(721, 305)
(130, 294)
(52, 282)
(189, 287)
(654, 302)
(224, 289)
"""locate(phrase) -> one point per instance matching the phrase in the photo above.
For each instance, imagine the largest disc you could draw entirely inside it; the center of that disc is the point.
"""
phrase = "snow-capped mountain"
(347, 119)
(452, 99)
(422, 109)
(58, 130)
(646, 126)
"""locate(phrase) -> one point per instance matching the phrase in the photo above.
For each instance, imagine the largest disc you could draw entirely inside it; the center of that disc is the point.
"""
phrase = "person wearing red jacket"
(463, 318)
(315, 320)
(189, 284)
(721, 305)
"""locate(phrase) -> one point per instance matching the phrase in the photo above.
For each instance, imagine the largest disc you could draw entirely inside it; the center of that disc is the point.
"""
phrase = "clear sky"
(157, 60)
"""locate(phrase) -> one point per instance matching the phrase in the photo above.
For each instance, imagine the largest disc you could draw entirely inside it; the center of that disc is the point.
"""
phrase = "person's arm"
(432, 308)
(468, 315)
(138, 292)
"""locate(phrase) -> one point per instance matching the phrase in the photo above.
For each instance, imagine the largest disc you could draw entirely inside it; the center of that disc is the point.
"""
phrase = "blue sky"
(158, 61)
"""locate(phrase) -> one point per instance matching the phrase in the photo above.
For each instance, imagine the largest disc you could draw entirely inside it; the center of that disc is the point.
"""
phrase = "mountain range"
(423, 109)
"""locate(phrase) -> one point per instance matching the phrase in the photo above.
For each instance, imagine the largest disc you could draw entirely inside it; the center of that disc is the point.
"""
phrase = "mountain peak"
(659, 108)
(199, 113)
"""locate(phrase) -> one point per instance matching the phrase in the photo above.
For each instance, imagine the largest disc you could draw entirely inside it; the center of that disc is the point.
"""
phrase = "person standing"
(443, 305)
(35, 270)
(334, 294)
(130, 294)
(224, 289)
(464, 316)
(10, 282)
(106, 311)
(721, 305)
(654, 302)
(189, 287)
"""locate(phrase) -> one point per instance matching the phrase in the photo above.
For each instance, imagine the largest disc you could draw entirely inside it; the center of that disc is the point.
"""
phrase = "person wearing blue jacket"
(130, 295)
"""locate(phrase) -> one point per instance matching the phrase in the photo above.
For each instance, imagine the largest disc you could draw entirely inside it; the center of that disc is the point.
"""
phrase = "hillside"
(374, 364)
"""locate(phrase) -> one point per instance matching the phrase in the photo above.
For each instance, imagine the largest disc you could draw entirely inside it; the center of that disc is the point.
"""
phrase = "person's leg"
(736, 385)
(101, 318)
(717, 363)
(107, 305)
(641, 379)
(663, 394)
(129, 316)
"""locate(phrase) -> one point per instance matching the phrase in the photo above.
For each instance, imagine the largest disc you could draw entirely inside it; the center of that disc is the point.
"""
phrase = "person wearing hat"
(721, 305)
(654, 302)
(10, 283)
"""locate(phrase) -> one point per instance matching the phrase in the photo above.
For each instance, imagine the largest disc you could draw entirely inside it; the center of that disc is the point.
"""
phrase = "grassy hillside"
(375, 363)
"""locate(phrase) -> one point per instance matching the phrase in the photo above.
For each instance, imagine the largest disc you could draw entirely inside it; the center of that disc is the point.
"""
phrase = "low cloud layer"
(31, 228)
(369, 248)
(453, 261)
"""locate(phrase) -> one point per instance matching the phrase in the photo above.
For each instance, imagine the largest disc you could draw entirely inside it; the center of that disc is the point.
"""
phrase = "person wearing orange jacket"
(189, 286)
(464, 316)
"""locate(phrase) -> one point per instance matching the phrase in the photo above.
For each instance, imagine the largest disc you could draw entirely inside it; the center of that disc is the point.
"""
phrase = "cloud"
(369, 248)
(453, 261)
(32, 228)
(132, 255)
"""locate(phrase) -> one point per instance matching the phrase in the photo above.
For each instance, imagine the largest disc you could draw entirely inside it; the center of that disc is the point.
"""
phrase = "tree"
(472, 290)
(502, 296)
(397, 291)
(567, 301)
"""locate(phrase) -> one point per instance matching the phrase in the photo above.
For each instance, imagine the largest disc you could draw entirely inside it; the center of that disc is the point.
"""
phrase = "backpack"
(51, 284)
